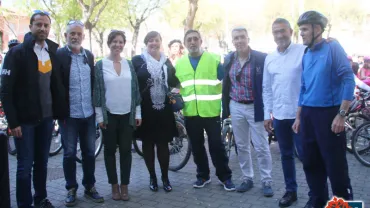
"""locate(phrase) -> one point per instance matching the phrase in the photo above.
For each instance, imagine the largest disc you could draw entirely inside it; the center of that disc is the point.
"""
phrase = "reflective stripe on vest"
(200, 89)
(200, 82)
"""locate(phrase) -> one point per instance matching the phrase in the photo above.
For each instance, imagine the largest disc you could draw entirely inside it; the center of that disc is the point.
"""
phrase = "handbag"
(175, 100)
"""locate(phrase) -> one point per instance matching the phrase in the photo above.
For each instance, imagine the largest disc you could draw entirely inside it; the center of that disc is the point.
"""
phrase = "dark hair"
(175, 41)
(282, 21)
(355, 67)
(150, 35)
(35, 14)
(191, 31)
(113, 34)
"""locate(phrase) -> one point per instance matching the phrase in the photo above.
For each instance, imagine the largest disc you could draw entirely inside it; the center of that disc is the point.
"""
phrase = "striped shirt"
(80, 87)
(241, 83)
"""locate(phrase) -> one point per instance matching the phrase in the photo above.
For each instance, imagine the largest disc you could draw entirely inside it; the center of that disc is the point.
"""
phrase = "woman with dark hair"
(117, 105)
(175, 51)
(156, 75)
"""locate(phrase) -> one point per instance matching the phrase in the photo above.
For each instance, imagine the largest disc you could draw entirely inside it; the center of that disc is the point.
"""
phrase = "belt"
(247, 102)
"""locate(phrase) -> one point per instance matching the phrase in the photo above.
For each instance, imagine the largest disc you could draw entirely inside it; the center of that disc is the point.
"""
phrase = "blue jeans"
(84, 130)
(287, 139)
(33, 151)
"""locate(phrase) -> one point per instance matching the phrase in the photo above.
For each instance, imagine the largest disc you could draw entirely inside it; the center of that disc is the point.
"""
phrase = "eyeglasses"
(41, 12)
(114, 30)
(78, 22)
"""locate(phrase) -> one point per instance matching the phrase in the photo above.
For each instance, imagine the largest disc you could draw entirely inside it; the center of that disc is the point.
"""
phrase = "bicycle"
(229, 139)
(361, 144)
(98, 144)
(55, 145)
(180, 147)
(358, 114)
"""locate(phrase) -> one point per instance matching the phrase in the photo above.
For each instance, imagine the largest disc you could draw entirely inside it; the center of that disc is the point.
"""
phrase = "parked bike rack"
(4, 171)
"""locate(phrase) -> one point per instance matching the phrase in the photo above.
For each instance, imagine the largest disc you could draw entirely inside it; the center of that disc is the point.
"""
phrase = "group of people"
(286, 91)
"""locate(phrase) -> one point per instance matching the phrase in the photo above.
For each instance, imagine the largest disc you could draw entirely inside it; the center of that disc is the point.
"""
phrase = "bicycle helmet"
(313, 18)
(349, 58)
(367, 58)
(13, 43)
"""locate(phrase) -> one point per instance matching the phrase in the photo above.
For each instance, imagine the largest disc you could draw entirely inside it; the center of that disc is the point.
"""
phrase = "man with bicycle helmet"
(326, 93)
(13, 43)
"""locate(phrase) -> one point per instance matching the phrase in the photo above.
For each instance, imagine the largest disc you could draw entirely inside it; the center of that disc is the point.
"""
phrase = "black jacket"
(20, 94)
(64, 56)
(257, 61)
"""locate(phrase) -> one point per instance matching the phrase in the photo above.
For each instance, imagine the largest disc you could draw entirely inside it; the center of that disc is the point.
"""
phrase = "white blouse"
(117, 90)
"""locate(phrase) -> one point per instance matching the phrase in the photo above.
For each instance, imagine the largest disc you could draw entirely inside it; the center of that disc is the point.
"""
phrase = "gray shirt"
(44, 67)
(80, 86)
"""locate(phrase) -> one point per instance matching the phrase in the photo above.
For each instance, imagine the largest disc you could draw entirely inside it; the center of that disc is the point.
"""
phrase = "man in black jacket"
(32, 94)
(78, 81)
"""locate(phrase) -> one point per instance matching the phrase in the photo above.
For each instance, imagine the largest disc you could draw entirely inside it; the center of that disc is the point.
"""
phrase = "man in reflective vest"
(200, 74)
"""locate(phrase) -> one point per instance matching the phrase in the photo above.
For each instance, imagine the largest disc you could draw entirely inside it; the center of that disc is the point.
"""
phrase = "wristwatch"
(343, 113)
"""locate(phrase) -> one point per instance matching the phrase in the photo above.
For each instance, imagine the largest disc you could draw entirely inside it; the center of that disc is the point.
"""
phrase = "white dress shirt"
(282, 82)
(117, 90)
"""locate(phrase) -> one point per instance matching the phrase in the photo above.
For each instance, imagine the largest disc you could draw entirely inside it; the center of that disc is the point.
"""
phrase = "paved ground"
(183, 194)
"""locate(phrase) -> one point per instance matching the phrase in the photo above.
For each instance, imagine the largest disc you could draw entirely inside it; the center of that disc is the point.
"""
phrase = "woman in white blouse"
(117, 105)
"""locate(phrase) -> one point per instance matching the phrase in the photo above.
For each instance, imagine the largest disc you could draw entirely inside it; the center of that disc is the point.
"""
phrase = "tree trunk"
(134, 39)
(101, 43)
(90, 38)
(193, 7)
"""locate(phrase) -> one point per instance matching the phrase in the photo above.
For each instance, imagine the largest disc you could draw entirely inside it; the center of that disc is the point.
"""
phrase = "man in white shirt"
(281, 87)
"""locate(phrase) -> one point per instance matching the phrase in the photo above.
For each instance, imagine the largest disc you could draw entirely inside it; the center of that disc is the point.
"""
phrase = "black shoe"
(309, 204)
(167, 185)
(288, 199)
(70, 200)
(153, 184)
(45, 203)
(94, 195)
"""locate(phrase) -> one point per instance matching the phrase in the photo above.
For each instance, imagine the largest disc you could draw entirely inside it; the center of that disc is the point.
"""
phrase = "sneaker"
(228, 185)
(267, 190)
(94, 195)
(288, 199)
(309, 204)
(45, 203)
(245, 186)
(70, 200)
(200, 183)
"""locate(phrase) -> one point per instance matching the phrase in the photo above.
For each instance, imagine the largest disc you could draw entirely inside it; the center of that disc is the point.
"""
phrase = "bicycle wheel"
(56, 141)
(98, 145)
(296, 153)
(352, 122)
(138, 145)
(226, 138)
(361, 144)
(12, 150)
(180, 148)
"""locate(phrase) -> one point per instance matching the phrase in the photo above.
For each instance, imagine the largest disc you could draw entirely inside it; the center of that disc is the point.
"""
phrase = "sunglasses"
(41, 12)
(117, 31)
(78, 22)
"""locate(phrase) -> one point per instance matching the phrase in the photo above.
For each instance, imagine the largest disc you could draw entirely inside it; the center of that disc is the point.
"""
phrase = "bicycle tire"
(56, 133)
(99, 134)
(11, 150)
(180, 122)
(235, 146)
(296, 153)
(357, 153)
(138, 149)
(227, 142)
(350, 133)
